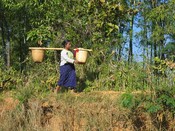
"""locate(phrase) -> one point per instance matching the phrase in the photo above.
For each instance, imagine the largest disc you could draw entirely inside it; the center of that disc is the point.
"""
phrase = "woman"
(67, 68)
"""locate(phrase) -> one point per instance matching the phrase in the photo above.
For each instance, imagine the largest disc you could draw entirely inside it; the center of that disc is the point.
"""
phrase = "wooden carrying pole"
(44, 48)
(82, 49)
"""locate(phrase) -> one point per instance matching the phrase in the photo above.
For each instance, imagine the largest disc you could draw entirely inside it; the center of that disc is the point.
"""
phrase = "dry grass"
(66, 112)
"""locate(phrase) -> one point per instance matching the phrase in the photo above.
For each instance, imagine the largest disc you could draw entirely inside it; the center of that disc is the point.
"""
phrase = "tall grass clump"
(22, 118)
(102, 72)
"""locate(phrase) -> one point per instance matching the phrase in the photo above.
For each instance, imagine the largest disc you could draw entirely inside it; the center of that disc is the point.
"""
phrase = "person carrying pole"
(67, 69)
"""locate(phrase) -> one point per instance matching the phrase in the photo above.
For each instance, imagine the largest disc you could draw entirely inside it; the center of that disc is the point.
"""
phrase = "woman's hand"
(76, 61)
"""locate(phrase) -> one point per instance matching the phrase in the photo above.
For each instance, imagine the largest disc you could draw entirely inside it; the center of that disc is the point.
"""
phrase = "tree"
(133, 5)
(5, 31)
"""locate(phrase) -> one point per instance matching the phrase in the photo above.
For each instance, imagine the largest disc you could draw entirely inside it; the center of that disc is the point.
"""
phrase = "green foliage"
(169, 50)
(113, 75)
(163, 101)
(24, 94)
(152, 107)
(9, 79)
(41, 33)
(165, 98)
(160, 66)
(127, 100)
(45, 76)
(86, 23)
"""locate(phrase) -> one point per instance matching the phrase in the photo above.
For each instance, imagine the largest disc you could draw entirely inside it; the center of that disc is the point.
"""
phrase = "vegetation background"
(118, 92)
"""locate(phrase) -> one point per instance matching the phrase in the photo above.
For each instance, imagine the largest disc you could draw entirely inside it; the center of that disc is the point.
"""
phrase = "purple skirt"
(67, 76)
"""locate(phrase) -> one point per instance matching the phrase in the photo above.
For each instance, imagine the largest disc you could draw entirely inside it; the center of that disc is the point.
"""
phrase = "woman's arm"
(65, 56)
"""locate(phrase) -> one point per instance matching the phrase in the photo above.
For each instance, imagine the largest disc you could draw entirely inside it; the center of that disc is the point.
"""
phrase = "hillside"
(98, 110)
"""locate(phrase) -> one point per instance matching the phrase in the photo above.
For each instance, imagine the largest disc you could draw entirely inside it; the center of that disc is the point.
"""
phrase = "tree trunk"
(155, 50)
(130, 55)
(8, 45)
(145, 42)
(3, 37)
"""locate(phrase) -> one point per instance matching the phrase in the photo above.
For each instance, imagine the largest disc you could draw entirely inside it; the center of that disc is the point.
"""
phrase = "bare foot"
(57, 89)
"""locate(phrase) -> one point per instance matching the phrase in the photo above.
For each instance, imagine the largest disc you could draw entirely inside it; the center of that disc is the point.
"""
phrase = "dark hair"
(64, 43)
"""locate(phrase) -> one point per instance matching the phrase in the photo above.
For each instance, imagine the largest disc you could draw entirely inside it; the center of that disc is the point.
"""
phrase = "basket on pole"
(38, 55)
(81, 55)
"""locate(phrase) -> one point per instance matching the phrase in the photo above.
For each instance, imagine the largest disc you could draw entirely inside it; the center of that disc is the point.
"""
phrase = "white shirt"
(66, 57)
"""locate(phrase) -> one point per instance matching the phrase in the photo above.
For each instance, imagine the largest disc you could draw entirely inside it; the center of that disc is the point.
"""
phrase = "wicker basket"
(81, 56)
(37, 55)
